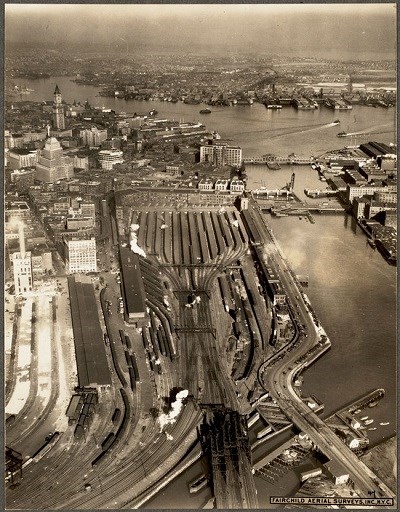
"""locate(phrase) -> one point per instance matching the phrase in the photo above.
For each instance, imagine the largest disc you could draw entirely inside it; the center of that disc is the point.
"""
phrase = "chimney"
(21, 239)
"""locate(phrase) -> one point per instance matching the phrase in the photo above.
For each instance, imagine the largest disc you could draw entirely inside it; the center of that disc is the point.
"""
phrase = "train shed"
(133, 288)
(90, 353)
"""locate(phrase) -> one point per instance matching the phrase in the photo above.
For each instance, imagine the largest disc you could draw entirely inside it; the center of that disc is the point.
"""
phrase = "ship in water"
(364, 418)
(341, 134)
(205, 111)
(272, 103)
(198, 484)
(383, 423)
(336, 121)
(153, 113)
(368, 422)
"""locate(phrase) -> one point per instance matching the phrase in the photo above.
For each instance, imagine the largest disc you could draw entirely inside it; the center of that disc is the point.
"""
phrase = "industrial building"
(22, 266)
(91, 360)
(133, 288)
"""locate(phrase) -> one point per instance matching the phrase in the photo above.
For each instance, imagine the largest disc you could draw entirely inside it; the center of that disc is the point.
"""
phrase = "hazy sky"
(314, 28)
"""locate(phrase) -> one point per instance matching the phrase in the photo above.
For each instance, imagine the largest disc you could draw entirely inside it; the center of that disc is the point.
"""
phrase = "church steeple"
(57, 90)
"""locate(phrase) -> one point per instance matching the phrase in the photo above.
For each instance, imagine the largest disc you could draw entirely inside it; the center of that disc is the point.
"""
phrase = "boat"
(364, 418)
(205, 111)
(198, 484)
(373, 404)
(341, 134)
(336, 121)
(373, 428)
(368, 422)
(383, 423)
(357, 411)
(153, 113)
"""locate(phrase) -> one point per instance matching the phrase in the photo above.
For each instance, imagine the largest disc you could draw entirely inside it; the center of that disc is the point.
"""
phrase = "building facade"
(221, 153)
(81, 255)
(22, 268)
(18, 158)
(93, 137)
(108, 158)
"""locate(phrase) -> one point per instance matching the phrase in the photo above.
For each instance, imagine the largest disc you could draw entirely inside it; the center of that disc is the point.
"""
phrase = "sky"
(319, 29)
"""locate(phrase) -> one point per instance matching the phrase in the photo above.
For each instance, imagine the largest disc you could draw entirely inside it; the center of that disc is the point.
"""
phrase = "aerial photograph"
(200, 251)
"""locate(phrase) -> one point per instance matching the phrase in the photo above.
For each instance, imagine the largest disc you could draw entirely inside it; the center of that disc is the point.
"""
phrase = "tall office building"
(81, 255)
(58, 111)
(93, 137)
(22, 266)
(52, 164)
(221, 153)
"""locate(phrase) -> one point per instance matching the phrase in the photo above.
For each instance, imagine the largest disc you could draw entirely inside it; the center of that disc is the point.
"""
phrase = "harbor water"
(351, 287)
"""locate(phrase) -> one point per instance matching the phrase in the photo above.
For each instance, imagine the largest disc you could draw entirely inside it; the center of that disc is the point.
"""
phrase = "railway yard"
(191, 361)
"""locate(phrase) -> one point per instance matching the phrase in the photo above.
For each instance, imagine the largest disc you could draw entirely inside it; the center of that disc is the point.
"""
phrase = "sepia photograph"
(200, 251)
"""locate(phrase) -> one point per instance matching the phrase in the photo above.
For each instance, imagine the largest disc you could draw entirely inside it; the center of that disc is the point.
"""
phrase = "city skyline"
(331, 30)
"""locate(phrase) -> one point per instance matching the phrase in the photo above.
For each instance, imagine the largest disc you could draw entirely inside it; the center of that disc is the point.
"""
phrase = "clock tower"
(58, 111)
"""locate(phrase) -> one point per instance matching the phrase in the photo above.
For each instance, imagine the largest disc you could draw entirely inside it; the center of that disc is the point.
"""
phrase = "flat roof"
(133, 283)
(90, 352)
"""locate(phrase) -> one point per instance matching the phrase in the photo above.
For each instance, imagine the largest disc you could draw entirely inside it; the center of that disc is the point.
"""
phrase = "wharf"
(272, 159)
(360, 403)
(284, 208)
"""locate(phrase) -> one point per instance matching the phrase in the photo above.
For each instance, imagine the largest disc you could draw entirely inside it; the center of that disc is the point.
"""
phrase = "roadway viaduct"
(278, 378)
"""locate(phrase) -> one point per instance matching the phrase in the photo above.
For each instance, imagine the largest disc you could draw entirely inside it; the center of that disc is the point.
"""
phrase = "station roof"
(91, 357)
(133, 282)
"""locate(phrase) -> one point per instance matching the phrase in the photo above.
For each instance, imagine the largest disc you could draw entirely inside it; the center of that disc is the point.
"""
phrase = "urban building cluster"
(214, 80)
(367, 182)
(57, 172)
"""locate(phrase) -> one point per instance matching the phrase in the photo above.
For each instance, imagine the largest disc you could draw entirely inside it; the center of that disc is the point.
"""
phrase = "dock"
(284, 160)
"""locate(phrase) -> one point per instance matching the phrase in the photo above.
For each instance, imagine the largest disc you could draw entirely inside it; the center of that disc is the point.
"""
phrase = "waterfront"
(256, 129)
(352, 288)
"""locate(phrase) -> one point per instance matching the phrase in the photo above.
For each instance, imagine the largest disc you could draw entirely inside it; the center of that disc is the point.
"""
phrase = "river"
(351, 287)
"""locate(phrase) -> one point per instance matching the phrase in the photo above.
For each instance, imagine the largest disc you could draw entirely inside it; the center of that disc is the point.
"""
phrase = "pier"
(272, 159)
(282, 203)
(320, 193)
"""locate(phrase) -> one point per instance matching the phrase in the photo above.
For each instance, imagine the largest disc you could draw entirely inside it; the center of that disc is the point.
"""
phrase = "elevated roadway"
(278, 379)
